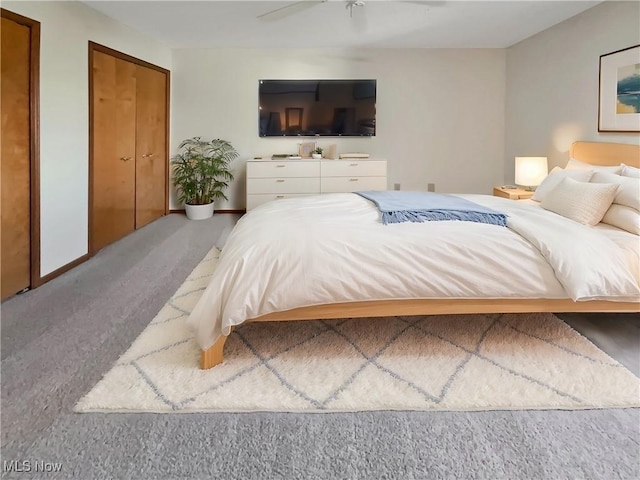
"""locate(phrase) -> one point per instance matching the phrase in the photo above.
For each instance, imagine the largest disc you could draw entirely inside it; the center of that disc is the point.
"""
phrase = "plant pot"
(199, 212)
(316, 155)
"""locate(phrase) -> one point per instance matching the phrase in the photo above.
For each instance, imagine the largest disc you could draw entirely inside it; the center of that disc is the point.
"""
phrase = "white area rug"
(450, 362)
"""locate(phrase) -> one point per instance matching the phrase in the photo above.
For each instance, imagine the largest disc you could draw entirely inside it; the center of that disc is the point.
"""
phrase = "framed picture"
(306, 149)
(619, 105)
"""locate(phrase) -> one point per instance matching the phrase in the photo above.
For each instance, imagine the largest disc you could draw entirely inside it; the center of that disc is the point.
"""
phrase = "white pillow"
(628, 171)
(554, 178)
(623, 217)
(580, 201)
(629, 191)
(574, 164)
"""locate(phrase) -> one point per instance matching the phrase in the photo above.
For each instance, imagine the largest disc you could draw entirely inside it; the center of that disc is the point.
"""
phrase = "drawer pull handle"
(279, 196)
(353, 179)
(353, 164)
(279, 180)
(280, 166)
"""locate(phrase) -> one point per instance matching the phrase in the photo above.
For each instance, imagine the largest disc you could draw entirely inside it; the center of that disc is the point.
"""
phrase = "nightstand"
(512, 193)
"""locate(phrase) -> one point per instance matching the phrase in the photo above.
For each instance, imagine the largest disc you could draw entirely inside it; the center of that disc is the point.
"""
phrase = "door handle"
(147, 155)
(125, 159)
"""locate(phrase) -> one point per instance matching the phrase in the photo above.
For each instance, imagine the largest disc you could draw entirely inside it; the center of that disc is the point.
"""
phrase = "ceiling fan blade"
(287, 10)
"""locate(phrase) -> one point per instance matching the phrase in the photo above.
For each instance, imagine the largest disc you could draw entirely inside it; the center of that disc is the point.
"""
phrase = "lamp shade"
(530, 171)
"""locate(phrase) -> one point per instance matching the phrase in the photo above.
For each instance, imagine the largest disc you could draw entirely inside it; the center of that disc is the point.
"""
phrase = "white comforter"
(333, 248)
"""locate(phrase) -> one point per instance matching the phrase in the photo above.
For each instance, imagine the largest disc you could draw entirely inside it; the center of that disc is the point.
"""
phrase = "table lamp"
(530, 171)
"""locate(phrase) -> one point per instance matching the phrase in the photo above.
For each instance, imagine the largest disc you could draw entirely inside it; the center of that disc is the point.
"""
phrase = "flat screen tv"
(336, 108)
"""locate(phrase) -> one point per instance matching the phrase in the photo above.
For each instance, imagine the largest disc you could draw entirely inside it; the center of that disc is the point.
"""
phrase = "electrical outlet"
(396, 186)
(431, 187)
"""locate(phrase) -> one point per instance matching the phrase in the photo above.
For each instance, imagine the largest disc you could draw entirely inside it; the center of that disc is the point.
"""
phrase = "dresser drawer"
(283, 169)
(356, 168)
(258, 199)
(283, 185)
(352, 184)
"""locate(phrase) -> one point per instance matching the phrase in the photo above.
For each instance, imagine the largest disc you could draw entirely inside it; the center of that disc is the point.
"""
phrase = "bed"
(330, 257)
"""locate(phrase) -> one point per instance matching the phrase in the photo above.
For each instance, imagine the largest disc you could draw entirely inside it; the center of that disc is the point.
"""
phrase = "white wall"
(66, 28)
(552, 83)
(440, 113)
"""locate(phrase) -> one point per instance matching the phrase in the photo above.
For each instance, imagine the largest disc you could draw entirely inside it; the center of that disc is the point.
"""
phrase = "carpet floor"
(444, 362)
(60, 339)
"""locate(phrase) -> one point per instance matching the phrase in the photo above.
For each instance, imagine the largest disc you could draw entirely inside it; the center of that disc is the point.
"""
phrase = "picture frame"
(306, 149)
(619, 91)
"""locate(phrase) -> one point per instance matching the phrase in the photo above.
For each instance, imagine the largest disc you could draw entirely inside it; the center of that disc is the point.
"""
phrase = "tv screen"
(338, 108)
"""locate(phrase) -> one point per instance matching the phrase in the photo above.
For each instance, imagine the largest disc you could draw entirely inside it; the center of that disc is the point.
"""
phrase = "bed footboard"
(213, 355)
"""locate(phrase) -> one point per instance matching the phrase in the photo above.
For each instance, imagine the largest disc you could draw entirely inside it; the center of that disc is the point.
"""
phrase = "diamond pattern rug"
(446, 362)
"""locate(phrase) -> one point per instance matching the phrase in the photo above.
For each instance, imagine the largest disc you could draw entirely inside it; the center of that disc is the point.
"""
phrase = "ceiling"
(377, 24)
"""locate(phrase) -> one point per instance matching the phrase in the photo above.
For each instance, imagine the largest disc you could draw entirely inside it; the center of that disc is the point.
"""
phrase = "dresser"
(275, 179)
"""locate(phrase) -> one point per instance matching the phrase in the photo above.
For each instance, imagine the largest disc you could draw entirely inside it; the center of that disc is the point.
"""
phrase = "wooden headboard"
(602, 153)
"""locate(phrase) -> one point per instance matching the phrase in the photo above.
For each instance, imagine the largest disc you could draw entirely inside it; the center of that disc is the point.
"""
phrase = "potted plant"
(201, 173)
(317, 153)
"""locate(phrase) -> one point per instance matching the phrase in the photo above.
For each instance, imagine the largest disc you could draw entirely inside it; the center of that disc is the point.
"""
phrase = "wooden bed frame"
(588, 152)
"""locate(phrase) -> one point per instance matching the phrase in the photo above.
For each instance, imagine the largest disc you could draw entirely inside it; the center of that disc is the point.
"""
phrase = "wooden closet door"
(151, 151)
(114, 149)
(16, 160)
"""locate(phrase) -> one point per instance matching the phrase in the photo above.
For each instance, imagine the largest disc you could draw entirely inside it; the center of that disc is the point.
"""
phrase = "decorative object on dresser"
(317, 153)
(332, 151)
(201, 173)
(305, 149)
(276, 179)
(530, 171)
(512, 193)
(619, 100)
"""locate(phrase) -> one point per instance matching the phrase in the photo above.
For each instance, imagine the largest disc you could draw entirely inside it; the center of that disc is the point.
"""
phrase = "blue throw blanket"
(399, 207)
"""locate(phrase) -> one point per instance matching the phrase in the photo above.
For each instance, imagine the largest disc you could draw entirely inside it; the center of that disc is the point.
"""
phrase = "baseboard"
(217, 211)
(231, 211)
(63, 269)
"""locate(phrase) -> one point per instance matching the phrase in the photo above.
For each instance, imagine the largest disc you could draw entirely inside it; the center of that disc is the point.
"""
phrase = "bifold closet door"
(151, 153)
(16, 159)
(114, 149)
